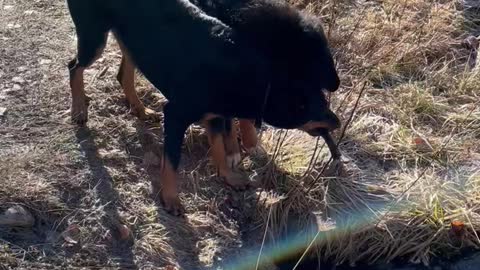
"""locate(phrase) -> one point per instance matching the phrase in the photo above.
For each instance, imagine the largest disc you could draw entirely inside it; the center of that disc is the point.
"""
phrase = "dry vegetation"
(412, 155)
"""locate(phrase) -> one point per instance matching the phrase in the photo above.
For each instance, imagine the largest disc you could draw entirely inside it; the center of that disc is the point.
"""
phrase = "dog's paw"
(79, 111)
(234, 160)
(146, 114)
(237, 180)
(172, 204)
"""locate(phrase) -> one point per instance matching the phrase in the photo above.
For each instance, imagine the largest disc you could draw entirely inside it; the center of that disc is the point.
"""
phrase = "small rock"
(29, 12)
(18, 80)
(22, 69)
(124, 232)
(471, 43)
(112, 154)
(7, 7)
(3, 110)
(72, 234)
(16, 87)
(45, 61)
(17, 216)
(13, 26)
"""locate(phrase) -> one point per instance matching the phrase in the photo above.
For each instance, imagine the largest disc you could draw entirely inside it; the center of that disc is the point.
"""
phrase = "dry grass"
(413, 158)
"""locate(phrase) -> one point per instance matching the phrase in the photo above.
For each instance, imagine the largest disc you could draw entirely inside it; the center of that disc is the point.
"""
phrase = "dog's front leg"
(216, 130)
(175, 126)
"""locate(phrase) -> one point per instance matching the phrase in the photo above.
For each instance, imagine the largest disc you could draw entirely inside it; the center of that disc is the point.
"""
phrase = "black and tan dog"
(267, 63)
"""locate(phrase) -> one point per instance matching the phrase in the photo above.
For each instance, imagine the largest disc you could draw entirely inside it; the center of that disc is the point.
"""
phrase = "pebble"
(18, 80)
(45, 61)
(17, 216)
(124, 232)
(13, 26)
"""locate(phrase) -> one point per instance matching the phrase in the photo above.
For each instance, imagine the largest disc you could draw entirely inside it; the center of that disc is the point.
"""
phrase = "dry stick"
(306, 250)
(279, 143)
(425, 169)
(345, 97)
(351, 117)
(368, 71)
(333, 18)
(277, 147)
(473, 229)
(264, 237)
(313, 159)
(355, 27)
(357, 102)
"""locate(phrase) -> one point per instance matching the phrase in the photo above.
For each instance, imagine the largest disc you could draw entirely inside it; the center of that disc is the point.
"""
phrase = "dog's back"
(174, 37)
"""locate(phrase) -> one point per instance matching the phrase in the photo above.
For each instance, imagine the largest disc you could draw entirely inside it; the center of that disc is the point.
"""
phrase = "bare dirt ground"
(412, 148)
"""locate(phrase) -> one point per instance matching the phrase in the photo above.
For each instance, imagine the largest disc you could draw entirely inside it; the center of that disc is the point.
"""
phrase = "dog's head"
(292, 42)
(300, 64)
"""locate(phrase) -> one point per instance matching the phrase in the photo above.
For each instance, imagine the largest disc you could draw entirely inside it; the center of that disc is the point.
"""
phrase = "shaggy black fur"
(265, 60)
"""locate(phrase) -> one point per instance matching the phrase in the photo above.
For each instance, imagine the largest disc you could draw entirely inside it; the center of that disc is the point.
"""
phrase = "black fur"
(265, 61)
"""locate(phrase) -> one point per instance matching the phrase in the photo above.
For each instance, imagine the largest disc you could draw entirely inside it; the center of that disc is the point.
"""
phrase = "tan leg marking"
(79, 110)
(235, 179)
(169, 189)
(126, 77)
(232, 148)
(249, 135)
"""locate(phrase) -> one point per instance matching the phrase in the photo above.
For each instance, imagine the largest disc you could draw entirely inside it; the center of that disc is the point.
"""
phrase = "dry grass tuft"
(412, 160)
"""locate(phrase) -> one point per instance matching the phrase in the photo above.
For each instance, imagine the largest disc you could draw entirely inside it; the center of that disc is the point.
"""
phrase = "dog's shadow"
(182, 236)
(243, 208)
(107, 196)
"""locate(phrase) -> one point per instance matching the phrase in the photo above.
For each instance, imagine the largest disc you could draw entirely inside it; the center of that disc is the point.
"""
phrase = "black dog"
(269, 64)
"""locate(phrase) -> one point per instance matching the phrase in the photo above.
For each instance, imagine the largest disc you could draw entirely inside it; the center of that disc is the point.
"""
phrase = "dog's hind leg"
(126, 78)
(248, 135)
(79, 109)
(90, 47)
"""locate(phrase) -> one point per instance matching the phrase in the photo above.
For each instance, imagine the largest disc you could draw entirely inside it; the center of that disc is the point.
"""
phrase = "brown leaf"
(458, 227)
(124, 232)
(71, 234)
(422, 144)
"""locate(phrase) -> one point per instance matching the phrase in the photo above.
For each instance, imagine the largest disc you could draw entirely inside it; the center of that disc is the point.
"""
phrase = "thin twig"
(357, 102)
(264, 237)
(424, 171)
(362, 90)
(306, 250)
